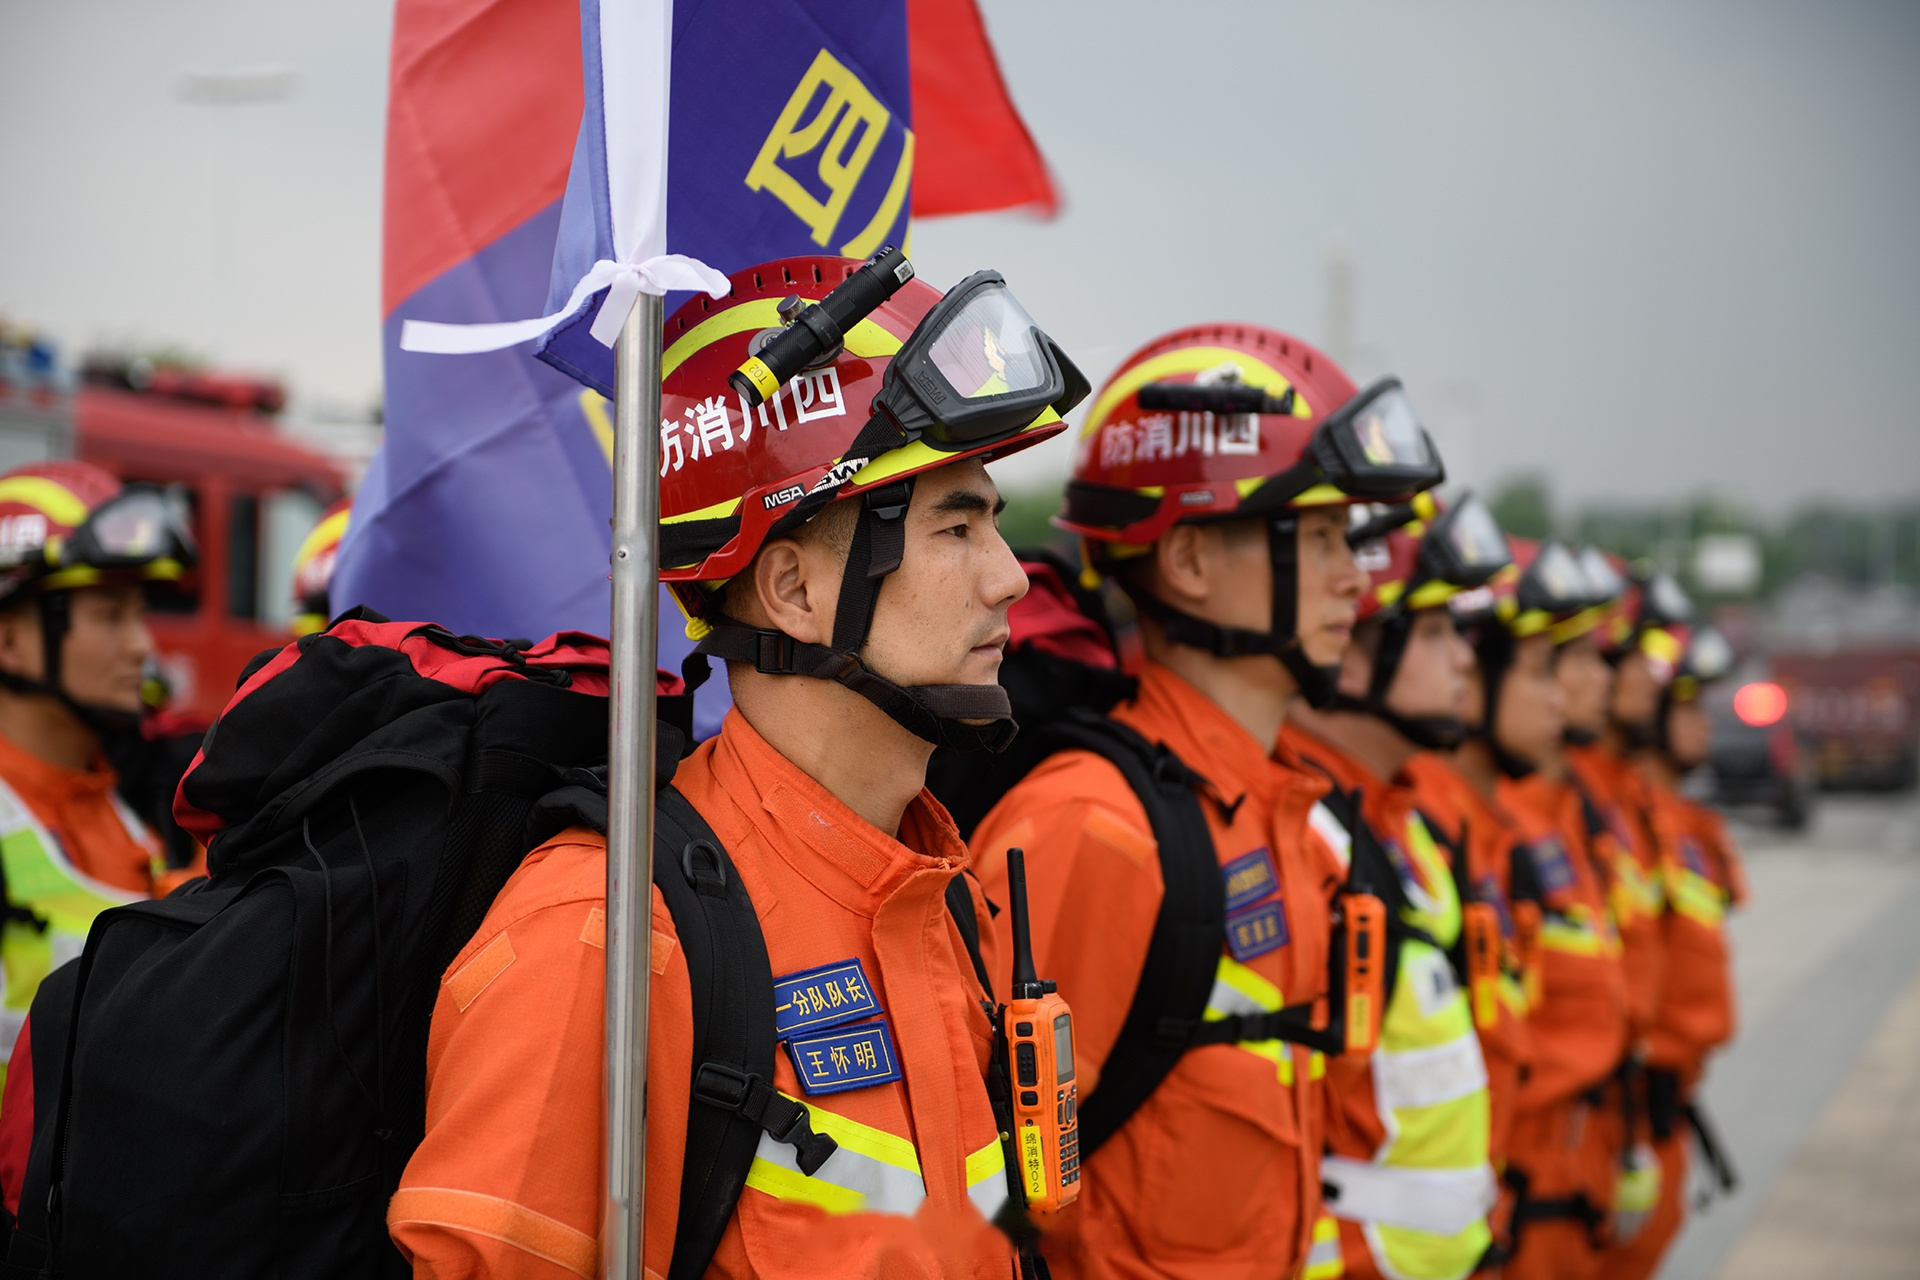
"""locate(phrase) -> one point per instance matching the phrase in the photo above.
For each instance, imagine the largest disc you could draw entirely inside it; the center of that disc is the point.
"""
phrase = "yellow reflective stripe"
(53, 499)
(987, 1179)
(1190, 360)
(1576, 933)
(1324, 1259)
(790, 1184)
(715, 512)
(1406, 1254)
(921, 456)
(1696, 897)
(1246, 991)
(1431, 594)
(872, 1172)
(1321, 495)
(866, 339)
(1434, 904)
(1238, 989)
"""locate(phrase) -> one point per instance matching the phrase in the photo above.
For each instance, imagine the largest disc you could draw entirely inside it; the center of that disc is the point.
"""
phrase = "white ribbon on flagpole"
(635, 69)
(624, 283)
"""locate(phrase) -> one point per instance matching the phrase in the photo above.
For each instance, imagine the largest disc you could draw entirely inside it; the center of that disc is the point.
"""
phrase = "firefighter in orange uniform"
(1562, 1163)
(1615, 675)
(852, 576)
(1408, 1171)
(78, 554)
(1212, 482)
(1701, 881)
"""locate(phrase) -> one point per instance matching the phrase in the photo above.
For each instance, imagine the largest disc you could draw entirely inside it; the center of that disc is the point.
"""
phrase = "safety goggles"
(132, 530)
(1373, 447)
(977, 367)
(1554, 583)
(1709, 656)
(1464, 546)
(1604, 582)
(1662, 601)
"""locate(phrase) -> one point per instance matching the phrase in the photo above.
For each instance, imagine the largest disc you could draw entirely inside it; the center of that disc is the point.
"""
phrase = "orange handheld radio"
(1480, 938)
(1363, 972)
(1527, 922)
(1046, 1103)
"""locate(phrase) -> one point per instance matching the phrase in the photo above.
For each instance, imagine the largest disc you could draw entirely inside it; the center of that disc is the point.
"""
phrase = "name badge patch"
(1250, 877)
(825, 997)
(847, 1058)
(1550, 860)
(1256, 931)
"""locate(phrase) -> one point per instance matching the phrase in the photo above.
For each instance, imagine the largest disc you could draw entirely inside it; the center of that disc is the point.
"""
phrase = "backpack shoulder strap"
(731, 980)
(1184, 952)
(960, 907)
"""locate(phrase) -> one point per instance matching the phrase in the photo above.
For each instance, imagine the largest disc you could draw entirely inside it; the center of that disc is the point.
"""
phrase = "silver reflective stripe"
(1324, 1253)
(872, 1171)
(1442, 1201)
(1428, 1077)
(11, 1020)
(1328, 828)
(987, 1179)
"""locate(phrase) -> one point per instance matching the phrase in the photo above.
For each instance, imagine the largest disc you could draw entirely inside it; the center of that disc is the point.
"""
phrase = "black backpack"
(362, 715)
(229, 1082)
(1061, 703)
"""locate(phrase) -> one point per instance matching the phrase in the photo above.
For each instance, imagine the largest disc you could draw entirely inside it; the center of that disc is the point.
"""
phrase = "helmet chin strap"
(1432, 732)
(960, 717)
(1494, 651)
(1317, 684)
(56, 619)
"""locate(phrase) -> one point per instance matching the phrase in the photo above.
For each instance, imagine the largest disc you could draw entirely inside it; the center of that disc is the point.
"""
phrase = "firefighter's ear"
(795, 587)
(1181, 564)
(20, 641)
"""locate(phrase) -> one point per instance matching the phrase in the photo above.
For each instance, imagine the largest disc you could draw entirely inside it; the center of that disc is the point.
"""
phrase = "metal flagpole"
(630, 753)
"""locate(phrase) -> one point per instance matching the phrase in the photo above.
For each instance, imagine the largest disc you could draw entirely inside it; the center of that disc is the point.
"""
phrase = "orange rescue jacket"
(507, 1182)
(1703, 881)
(1216, 1177)
(1634, 861)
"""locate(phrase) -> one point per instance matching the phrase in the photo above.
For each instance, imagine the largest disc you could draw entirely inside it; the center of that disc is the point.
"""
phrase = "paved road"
(1819, 1097)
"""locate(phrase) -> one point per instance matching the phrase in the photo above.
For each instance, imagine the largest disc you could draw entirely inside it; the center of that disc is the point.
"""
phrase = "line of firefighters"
(1355, 688)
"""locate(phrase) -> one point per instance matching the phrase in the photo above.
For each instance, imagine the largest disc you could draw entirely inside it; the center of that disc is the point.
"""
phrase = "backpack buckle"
(722, 1086)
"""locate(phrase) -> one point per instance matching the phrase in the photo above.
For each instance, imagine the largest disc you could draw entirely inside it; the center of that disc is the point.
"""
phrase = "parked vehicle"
(1757, 758)
(249, 493)
(1858, 711)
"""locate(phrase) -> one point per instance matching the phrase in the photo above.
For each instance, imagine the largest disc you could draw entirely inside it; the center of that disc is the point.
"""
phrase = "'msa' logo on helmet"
(782, 498)
(840, 473)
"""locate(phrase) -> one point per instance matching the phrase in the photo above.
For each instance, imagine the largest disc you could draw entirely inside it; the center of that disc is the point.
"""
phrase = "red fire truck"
(250, 492)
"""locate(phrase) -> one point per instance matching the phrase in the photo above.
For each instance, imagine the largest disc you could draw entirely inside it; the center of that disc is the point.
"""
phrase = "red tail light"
(1760, 704)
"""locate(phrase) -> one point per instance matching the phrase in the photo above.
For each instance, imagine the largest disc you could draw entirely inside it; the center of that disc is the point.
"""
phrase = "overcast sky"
(1646, 248)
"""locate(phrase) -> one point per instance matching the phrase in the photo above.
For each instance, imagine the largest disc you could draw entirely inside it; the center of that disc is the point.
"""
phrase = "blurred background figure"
(313, 569)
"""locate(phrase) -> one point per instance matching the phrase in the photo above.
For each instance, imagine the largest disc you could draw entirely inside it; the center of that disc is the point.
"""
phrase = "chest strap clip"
(783, 1119)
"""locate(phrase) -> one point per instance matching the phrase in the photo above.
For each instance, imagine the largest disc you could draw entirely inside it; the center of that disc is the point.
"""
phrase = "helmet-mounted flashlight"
(813, 334)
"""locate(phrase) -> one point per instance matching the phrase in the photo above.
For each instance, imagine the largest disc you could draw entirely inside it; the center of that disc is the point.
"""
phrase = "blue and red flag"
(789, 129)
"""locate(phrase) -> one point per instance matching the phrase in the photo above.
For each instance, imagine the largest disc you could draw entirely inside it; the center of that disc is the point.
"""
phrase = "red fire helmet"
(1272, 423)
(734, 476)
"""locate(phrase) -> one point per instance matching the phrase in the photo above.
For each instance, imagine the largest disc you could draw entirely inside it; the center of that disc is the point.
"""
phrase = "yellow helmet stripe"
(866, 339)
(54, 500)
(332, 529)
(1191, 360)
